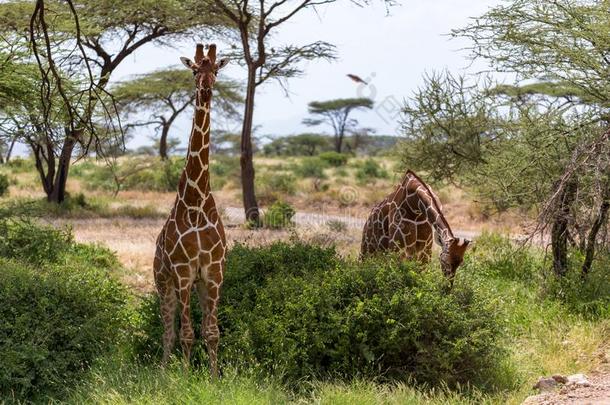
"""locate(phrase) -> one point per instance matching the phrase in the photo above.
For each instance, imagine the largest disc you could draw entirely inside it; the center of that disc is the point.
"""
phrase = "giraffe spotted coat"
(407, 221)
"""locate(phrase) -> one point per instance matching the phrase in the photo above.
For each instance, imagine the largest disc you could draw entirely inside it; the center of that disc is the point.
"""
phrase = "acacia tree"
(559, 134)
(77, 54)
(164, 94)
(256, 22)
(336, 113)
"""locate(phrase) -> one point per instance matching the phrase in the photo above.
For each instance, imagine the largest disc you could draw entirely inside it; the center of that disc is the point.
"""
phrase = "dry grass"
(133, 240)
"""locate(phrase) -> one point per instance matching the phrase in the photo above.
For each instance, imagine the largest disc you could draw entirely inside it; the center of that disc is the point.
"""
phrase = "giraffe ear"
(223, 62)
(187, 62)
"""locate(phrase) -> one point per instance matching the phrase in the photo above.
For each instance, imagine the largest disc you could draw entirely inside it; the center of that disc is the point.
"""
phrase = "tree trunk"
(559, 231)
(58, 194)
(163, 140)
(9, 152)
(339, 143)
(247, 165)
(601, 218)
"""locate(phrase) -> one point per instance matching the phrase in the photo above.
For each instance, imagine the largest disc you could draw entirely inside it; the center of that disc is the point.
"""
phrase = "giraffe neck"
(195, 184)
(434, 216)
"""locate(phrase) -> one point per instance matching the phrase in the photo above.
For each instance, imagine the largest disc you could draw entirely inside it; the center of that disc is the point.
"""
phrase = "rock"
(546, 384)
(579, 380)
(560, 378)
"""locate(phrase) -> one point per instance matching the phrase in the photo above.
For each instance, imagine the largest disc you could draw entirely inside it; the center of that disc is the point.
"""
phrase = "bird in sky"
(355, 78)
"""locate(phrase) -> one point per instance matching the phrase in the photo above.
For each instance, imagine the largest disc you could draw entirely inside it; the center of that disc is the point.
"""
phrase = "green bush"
(271, 187)
(587, 296)
(4, 183)
(310, 167)
(302, 312)
(370, 169)
(224, 169)
(498, 256)
(23, 240)
(20, 165)
(334, 159)
(60, 309)
(279, 215)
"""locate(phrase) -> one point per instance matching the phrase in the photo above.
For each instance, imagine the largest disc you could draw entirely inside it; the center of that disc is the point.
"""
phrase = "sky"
(390, 51)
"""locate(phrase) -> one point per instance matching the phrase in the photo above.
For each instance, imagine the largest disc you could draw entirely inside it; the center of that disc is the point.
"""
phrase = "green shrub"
(301, 312)
(60, 309)
(224, 169)
(310, 167)
(498, 256)
(370, 169)
(4, 183)
(334, 159)
(272, 186)
(279, 215)
(20, 165)
(586, 296)
(23, 240)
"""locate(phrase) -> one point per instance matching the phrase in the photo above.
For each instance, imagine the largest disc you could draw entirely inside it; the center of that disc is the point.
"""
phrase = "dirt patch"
(595, 392)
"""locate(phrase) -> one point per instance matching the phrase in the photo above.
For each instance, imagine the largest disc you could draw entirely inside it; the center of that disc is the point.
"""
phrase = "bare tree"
(256, 22)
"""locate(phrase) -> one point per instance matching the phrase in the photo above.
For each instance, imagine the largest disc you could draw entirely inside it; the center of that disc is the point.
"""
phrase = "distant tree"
(298, 145)
(226, 143)
(161, 96)
(336, 113)
(77, 54)
(256, 22)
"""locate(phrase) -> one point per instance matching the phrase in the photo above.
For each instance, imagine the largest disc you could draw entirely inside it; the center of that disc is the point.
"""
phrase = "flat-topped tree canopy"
(78, 44)
(161, 96)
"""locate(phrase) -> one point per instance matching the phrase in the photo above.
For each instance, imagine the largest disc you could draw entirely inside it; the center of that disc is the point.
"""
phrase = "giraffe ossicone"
(192, 245)
(407, 221)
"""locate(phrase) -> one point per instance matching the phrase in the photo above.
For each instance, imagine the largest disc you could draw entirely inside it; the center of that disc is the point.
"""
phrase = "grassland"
(543, 335)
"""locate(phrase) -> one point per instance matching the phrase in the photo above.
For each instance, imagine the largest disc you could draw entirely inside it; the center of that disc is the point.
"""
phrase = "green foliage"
(588, 295)
(300, 311)
(23, 240)
(65, 310)
(311, 167)
(224, 169)
(272, 186)
(448, 124)
(4, 183)
(370, 169)
(333, 158)
(497, 257)
(135, 173)
(298, 145)
(20, 165)
(279, 215)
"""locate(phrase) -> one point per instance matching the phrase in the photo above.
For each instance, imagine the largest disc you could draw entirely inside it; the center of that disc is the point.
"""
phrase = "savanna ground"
(548, 328)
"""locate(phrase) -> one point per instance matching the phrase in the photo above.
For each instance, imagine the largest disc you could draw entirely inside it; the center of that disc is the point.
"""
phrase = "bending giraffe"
(191, 246)
(406, 220)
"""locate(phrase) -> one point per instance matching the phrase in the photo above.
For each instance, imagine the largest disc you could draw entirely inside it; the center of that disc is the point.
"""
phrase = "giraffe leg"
(187, 335)
(167, 301)
(211, 331)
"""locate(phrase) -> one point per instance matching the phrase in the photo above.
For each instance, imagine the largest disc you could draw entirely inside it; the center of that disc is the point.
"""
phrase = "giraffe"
(191, 246)
(405, 222)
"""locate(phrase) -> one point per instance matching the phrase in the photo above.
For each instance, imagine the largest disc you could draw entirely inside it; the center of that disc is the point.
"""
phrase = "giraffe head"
(452, 256)
(205, 68)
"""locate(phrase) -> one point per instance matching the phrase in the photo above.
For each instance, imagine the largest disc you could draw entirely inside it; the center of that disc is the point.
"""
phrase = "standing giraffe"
(405, 221)
(191, 246)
